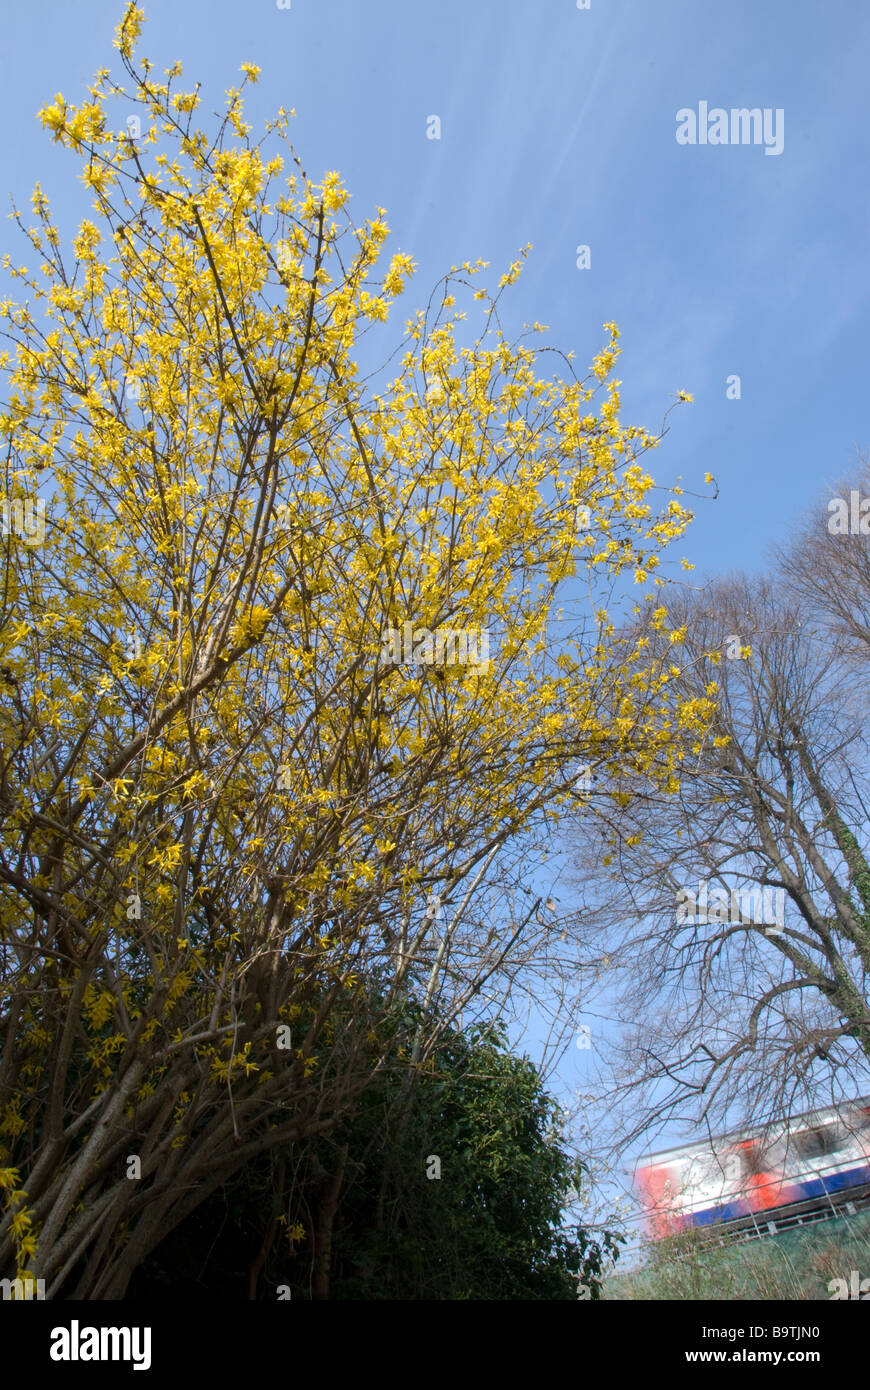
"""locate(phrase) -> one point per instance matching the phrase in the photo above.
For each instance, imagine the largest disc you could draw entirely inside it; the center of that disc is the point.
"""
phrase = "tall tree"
(232, 793)
(737, 914)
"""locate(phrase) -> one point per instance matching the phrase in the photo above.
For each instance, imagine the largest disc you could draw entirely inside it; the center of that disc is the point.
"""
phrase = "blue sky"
(558, 127)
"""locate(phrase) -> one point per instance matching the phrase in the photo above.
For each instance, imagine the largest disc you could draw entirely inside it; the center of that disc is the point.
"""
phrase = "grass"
(795, 1264)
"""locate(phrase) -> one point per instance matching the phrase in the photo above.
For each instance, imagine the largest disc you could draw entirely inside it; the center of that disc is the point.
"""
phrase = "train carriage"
(768, 1174)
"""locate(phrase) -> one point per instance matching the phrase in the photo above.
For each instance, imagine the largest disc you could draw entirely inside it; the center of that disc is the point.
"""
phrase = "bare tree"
(736, 920)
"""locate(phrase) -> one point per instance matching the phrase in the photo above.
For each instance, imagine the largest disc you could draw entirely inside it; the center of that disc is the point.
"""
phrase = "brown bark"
(326, 1218)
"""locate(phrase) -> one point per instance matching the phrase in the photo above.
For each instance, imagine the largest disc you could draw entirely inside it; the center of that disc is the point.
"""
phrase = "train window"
(817, 1143)
(755, 1159)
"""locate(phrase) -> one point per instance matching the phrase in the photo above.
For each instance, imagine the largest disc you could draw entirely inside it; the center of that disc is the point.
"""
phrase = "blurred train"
(808, 1166)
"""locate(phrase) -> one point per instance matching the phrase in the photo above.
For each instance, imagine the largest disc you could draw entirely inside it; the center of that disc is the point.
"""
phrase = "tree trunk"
(326, 1217)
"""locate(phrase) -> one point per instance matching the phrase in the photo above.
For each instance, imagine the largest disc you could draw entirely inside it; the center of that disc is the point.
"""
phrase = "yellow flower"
(129, 30)
(21, 1223)
(54, 116)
